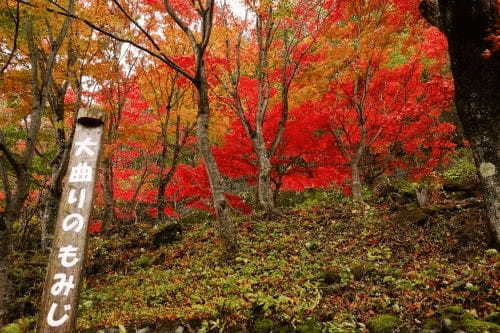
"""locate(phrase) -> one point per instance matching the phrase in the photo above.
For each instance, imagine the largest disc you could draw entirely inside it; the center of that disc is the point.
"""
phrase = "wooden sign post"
(64, 273)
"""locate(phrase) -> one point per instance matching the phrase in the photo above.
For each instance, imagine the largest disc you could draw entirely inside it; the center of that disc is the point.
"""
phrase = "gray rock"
(144, 330)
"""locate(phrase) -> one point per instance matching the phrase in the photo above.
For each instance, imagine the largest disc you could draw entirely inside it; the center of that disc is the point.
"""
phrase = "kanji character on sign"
(57, 322)
(82, 173)
(63, 286)
(68, 256)
(84, 147)
(72, 198)
(73, 222)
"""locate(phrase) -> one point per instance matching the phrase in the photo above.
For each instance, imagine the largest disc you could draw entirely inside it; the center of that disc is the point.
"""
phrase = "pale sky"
(237, 7)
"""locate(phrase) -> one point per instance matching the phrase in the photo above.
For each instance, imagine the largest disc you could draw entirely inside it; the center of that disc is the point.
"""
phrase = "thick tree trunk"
(477, 97)
(225, 226)
(466, 24)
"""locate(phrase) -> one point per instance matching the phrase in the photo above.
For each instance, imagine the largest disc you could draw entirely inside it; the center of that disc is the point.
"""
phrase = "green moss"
(142, 262)
(310, 326)
(384, 324)
(491, 253)
(462, 170)
(479, 326)
(265, 325)
(456, 313)
(493, 317)
(431, 325)
(456, 318)
(360, 270)
(20, 326)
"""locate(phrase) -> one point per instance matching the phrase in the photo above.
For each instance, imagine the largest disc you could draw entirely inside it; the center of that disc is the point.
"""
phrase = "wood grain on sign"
(64, 273)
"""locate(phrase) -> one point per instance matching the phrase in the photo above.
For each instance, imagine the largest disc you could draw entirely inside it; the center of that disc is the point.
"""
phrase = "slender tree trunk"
(5, 283)
(225, 226)
(477, 85)
(160, 199)
(356, 181)
(109, 197)
(40, 81)
(264, 187)
(422, 196)
(54, 192)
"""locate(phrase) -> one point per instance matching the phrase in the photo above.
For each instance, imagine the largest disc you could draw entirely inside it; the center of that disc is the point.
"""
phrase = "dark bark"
(41, 76)
(5, 283)
(178, 146)
(466, 24)
(59, 164)
(17, 20)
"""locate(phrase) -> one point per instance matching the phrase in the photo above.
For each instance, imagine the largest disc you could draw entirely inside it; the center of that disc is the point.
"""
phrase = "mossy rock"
(361, 270)
(22, 325)
(491, 253)
(309, 326)
(480, 326)
(493, 317)
(412, 215)
(431, 326)
(455, 311)
(142, 262)
(312, 246)
(265, 325)
(385, 324)
(453, 318)
(166, 234)
(331, 275)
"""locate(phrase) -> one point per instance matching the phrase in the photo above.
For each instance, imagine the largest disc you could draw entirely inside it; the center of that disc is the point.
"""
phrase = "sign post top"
(90, 117)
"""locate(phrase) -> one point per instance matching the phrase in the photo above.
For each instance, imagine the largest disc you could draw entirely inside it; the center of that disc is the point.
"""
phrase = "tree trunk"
(48, 218)
(59, 167)
(5, 283)
(109, 198)
(356, 182)
(225, 226)
(162, 185)
(264, 188)
(477, 85)
(422, 196)
(477, 96)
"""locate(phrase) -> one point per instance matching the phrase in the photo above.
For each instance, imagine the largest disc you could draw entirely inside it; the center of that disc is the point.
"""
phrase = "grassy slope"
(336, 262)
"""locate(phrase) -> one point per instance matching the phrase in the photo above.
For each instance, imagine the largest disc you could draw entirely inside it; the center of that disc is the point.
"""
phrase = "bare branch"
(64, 12)
(14, 45)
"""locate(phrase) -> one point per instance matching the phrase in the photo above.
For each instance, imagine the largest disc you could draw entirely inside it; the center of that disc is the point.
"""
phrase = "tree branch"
(14, 45)
(161, 57)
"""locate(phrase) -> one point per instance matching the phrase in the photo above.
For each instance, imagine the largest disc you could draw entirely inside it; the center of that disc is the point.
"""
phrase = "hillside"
(327, 264)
